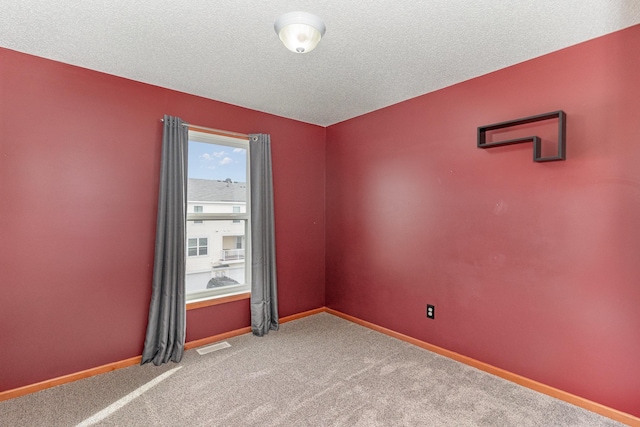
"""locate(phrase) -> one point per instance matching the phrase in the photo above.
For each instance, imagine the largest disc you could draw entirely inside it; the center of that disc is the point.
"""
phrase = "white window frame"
(198, 254)
(211, 138)
(198, 209)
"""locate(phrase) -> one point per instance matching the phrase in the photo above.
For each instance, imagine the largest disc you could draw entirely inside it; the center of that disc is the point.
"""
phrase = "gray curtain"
(166, 327)
(264, 295)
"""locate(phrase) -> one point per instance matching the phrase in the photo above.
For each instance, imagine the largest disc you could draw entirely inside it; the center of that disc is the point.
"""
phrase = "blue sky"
(211, 161)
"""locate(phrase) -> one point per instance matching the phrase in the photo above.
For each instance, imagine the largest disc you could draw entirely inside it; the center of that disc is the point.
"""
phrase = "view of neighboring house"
(215, 248)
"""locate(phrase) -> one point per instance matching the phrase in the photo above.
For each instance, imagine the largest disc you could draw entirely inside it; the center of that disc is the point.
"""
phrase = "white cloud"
(238, 150)
(226, 161)
(215, 155)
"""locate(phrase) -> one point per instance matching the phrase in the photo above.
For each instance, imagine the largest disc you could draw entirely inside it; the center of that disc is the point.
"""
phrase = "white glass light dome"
(300, 31)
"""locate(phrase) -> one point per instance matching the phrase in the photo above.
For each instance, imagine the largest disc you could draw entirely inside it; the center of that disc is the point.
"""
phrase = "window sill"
(217, 301)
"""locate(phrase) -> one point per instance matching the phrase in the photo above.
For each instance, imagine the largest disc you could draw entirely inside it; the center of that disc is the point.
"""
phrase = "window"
(197, 209)
(218, 214)
(197, 246)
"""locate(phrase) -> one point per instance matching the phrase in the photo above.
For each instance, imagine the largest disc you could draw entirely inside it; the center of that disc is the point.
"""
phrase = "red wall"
(79, 162)
(532, 267)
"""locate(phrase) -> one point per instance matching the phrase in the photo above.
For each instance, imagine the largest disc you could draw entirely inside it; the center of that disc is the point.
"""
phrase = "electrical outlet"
(431, 311)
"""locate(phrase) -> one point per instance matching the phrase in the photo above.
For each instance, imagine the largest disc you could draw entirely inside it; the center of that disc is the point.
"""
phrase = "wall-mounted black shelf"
(537, 142)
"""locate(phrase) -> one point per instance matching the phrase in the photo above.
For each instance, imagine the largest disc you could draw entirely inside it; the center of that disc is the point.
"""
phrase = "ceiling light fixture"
(299, 31)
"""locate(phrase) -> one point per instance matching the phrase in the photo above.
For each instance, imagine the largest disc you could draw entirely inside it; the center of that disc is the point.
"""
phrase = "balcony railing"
(231, 254)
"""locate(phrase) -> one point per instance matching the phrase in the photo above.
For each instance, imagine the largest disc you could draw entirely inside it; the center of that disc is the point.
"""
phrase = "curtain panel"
(167, 313)
(264, 296)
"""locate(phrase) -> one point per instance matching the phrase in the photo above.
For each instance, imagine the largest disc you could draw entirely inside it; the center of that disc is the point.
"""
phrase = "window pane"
(217, 178)
(217, 184)
(221, 256)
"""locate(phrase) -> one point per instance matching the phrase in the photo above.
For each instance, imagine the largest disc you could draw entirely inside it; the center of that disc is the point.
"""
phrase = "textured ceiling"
(374, 53)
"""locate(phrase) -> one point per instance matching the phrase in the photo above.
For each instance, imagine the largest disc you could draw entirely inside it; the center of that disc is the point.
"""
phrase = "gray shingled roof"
(207, 190)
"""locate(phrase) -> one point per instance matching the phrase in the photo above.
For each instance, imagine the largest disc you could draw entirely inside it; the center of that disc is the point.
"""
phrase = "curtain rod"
(215, 131)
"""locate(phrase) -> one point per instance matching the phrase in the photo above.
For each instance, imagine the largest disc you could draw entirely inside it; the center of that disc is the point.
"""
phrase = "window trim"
(193, 305)
(199, 135)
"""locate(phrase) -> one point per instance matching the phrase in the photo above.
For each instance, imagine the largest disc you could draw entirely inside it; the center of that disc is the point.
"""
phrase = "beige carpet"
(316, 371)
